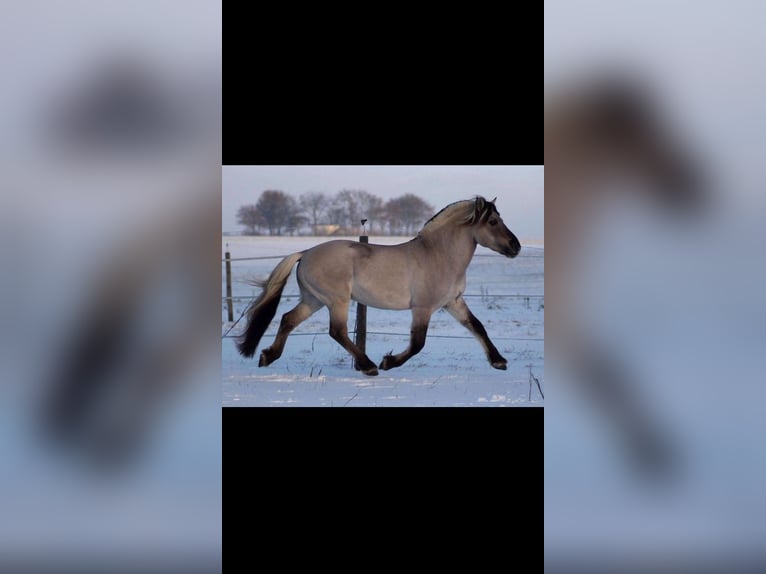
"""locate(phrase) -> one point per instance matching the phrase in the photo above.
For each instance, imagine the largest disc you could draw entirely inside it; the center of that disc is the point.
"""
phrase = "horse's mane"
(465, 207)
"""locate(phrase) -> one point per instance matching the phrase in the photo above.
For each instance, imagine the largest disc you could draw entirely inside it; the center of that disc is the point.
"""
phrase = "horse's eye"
(493, 221)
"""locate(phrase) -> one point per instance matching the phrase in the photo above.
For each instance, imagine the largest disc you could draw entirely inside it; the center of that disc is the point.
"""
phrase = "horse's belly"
(380, 297)
(383, 280)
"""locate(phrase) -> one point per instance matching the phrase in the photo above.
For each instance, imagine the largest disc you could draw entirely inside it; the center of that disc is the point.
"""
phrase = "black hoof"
(371, 370)
(367, 367)
(266, 358)
(387, 363)
(502, 365)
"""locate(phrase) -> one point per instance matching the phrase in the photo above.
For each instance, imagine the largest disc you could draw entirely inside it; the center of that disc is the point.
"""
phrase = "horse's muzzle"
(513, 249)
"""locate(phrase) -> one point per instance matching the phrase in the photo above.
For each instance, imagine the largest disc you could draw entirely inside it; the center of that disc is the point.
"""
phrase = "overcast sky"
(519, 189)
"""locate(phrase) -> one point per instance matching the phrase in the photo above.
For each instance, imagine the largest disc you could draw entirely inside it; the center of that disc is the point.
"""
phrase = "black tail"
(264, 308)
(258, 321)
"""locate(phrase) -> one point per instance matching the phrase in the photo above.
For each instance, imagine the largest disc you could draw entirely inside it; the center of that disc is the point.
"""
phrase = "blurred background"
(656, 288)
(110, 144)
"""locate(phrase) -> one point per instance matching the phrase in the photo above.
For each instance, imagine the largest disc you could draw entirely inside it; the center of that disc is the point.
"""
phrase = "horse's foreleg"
(290, 321)
(460, 311)
(418, 330)
(339, 332)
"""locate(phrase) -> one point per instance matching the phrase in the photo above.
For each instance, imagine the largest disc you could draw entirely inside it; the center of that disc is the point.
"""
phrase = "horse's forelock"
(481, 211)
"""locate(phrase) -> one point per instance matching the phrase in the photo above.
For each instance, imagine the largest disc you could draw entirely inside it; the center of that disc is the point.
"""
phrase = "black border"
(401, 88)
(469, 478)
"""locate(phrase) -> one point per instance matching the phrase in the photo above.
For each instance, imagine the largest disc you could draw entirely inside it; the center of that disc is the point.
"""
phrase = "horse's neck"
(455, 243)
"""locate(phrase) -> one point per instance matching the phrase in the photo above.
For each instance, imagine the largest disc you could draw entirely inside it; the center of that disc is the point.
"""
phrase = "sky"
(519, 189)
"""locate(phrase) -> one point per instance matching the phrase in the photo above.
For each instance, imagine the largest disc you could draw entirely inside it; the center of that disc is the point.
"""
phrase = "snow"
(452, 369)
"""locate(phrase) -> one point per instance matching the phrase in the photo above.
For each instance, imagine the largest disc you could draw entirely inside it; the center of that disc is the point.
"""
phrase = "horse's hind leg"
(339, 332)
(460, 311)
(418, 330)
(290, 320)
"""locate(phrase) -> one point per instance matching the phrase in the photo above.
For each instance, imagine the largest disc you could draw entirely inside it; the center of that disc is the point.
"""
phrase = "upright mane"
(469, 212)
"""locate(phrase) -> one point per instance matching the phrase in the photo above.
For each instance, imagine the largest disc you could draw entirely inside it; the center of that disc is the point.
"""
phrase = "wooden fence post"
(360, 335)
(229, 302)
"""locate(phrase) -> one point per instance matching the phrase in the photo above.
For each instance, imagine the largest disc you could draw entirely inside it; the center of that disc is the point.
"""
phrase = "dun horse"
(424, 275)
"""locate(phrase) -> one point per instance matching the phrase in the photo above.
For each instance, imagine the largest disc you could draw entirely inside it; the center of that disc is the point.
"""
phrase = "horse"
(604, 131)
(424, 274)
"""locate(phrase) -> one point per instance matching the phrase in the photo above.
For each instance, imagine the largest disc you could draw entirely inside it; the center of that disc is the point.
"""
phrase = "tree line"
(319, 213)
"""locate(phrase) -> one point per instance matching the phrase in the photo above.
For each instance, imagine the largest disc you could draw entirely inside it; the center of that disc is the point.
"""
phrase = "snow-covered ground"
(450, 371)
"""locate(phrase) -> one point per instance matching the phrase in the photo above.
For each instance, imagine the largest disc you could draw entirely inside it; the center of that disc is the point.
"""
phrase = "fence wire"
(266, 257)
(485, 296)
(429, 336)
(226, 335)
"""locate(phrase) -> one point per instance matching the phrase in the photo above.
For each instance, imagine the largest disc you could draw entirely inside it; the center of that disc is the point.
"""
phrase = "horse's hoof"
(373, 372)
(502, 365)
(264, 361)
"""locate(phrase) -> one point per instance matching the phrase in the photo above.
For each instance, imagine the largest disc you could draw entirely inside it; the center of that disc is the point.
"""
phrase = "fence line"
(361, 326)
(265, 257)
(406, 335)
(486, 296)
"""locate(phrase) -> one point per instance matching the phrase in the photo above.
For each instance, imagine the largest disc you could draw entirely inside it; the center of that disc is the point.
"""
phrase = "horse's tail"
(264, 308)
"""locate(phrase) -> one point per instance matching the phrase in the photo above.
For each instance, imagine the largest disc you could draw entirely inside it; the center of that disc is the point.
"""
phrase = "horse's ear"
(479, 208)
(493, 201)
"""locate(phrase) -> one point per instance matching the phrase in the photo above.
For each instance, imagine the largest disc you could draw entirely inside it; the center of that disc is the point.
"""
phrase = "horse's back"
(376, 275)
(332, 259)
(338, 252)
(349, 252)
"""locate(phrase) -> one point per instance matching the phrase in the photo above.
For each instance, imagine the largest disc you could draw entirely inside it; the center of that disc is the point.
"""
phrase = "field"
(452, 370)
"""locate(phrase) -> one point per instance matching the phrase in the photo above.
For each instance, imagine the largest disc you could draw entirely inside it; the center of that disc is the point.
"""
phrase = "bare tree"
(281, 213)
(355, 204)
(347, 200)
(249, 217)
(407, 213)
(296, 220)
(277, 209)
(335, 212)
(393, 217)
(314, 204)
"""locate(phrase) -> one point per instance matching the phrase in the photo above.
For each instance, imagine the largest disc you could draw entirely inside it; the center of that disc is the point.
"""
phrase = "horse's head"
(489, 230)
(615, 128)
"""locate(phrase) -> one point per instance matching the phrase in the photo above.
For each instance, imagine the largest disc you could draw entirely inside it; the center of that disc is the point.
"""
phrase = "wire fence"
(405, 335)
(486, 296)
(266, 257)
(483, 296)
